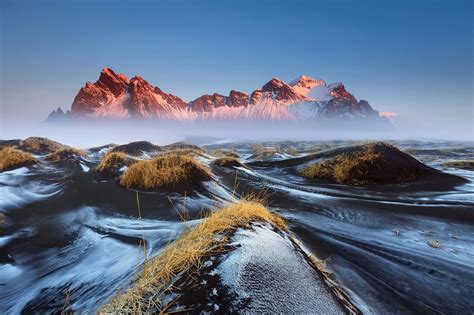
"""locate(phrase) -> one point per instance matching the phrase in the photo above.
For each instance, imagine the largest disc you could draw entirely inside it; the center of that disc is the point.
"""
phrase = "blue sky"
(410, 57)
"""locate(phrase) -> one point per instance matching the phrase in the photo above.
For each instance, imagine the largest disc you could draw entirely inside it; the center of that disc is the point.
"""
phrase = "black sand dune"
(391, 248)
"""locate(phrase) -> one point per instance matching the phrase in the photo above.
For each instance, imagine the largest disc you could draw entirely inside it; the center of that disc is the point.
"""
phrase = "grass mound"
(373, 163)
(186, 152)
(183, 146)
(112, 162)
(186, 254)
(228, 162)
(464, 164)
(137, 148)
(225, 153)
(11, 158)
(65, 155)
(40, 145)
(261, 153)
(167, 170)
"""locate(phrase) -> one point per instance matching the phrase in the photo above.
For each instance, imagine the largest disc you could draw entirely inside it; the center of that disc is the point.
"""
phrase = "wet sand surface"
(71, 237)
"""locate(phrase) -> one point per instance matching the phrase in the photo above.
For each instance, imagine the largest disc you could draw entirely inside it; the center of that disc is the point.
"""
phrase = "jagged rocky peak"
(207, 103)
(279, 91)
(117, 84)
(339, 91)
(138, 84)
(274, 85)
(237, 99)
(56, 115)
(114, 95)
(304, 83)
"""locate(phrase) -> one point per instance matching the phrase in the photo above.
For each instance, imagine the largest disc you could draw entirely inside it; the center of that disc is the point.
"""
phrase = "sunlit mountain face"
(115, 96)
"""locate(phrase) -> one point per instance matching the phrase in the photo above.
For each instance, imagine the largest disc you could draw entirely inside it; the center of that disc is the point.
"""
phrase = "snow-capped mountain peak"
(304, 84)
(115, 96)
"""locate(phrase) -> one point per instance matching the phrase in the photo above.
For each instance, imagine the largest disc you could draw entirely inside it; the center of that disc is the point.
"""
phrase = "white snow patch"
(268, 269)
(85, 168)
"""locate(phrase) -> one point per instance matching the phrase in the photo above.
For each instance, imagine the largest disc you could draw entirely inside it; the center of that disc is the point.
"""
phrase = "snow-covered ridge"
(115, 96)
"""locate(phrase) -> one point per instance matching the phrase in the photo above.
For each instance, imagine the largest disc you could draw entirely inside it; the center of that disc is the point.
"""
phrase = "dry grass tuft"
(187, 253)
(112, 162)
(434, 244)
(11, 158)
(40, 145)
(261, 153)
(184, 146)
(374, 163)
(166, 170)
(225, 153)
(64, 155)
(228, 162)
(186, 152)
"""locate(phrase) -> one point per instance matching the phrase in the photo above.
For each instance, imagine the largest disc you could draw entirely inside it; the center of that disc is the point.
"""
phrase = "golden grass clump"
(228, 162)
(65, 154)
(166, 170)
(11, 158)
(225, 153)
(112, 162)
(183, 146)
(369, 164)
(434, 243)
(261, 153)
(344, 169)
(186, 152)
(40, 145)
(187, 254)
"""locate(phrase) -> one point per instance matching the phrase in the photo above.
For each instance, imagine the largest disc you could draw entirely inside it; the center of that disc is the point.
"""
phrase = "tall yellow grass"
(112, 161)
(40, 145)
(227, 162)
(225, 153)
(64, 154)
(186, 152)
(365, 166)
(187, 253)
(164, 171)
(11, 158)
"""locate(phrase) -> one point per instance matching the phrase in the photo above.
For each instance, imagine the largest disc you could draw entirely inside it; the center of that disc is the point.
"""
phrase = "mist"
(89, 133)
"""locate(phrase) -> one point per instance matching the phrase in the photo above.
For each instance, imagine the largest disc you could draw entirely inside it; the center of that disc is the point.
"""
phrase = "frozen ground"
(267, 270)
(66, 232)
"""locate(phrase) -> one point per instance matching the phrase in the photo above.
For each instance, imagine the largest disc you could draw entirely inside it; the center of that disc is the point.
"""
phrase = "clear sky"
(412, 57)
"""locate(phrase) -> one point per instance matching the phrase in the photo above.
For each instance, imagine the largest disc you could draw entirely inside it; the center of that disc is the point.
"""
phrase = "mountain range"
(115, 96)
